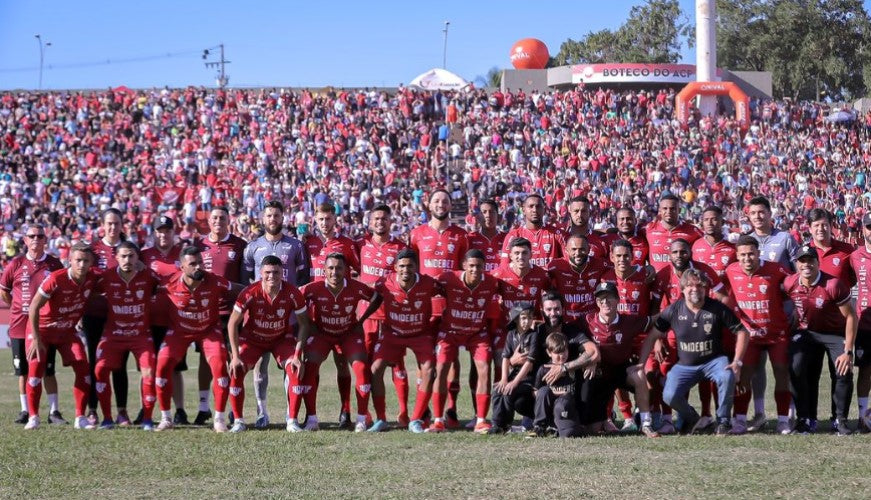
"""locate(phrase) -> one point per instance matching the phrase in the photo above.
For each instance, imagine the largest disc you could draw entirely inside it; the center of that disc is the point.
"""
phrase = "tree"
(654, 32)
(493, 78)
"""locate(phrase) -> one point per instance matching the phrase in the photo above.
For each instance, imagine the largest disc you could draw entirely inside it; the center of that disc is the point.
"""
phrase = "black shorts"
(158, 333)
(863, 348)
(19, 359)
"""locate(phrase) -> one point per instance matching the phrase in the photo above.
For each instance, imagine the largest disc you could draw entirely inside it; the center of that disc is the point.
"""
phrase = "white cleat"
(360, 426)
(293, 426)
(164, 425)
(32, 423)
(783, 427)
(220, 425)
(82, 422)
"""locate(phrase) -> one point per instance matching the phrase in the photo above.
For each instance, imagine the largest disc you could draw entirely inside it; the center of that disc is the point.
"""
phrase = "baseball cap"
(866, 221)
(606, 287)
(163, 221)
(807, 251)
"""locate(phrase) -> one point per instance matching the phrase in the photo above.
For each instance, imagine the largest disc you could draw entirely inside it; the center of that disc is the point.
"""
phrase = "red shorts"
(175, 346)
(111, 350)
(392, 349)
(448, 347)
(282, 349)
(778, 352)
(348, 345)
(371, 334)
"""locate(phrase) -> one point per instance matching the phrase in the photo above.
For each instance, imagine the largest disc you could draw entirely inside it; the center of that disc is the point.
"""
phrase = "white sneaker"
(738, 427)
(757, 423)
(82, 422)
(666, 428)
(360, 426)
(293, 426)
(220, 425)
(783, 427)
(312, 424)
(164, 425)
(32, 423)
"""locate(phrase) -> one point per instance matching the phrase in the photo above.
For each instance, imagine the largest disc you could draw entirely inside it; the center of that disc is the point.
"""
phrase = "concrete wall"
(526, 80)
(753, 83)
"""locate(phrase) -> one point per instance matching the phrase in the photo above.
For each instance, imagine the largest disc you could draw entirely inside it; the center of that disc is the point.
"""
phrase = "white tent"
(439, 79)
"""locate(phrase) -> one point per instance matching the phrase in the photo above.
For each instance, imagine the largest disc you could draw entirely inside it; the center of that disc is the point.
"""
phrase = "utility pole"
(223, 79)
(42, 47)
(445, 50)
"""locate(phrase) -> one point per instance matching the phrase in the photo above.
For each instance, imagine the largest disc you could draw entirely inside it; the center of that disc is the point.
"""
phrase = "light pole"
(445, 51)
(42, 47)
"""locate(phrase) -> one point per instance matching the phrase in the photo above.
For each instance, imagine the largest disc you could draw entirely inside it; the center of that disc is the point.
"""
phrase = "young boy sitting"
(555, 406)
(514, 392)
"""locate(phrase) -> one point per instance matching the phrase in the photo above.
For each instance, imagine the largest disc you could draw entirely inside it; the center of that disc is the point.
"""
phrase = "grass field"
(197, 463)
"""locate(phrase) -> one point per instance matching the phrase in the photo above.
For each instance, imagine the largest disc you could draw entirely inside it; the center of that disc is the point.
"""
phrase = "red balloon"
(529, 53)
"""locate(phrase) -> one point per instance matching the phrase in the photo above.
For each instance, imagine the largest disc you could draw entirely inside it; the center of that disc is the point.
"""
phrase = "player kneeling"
(266, 329)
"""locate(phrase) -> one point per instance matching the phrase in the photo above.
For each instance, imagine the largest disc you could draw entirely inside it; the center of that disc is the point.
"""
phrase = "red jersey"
(600, 243)
(576, 287)
(105, 258)
(196, 312)
(335, 314)
(407, 313)
(376, 261)
(466, 310)
(616, 340)
(66, 304)
(668, 282)
(129, 302)
(760, 300)
(637, 297)
(818, 306)
(547, 243)
(640, 249)
(860, 264)
(438, 251)
(318, 249)
(718, 256)
(659, 240)
(492, 248)
(834, 261)
(519, 291)
(164, 266)
(223, 258)
(20, 279)
(268, 319)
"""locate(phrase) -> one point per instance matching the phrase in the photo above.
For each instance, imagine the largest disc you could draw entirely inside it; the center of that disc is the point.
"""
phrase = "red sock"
(104, 390)
(344, 384)
(237, 395)
(705, 397)
(438, 404)
(483, 405)
(453, 392)
(742, 403)
(400, 381)
(782, 399)
(33, 387)
(220, 382)
(420, 404)
(81, 386)
(146, 388)
(163, 380)
(363, 387)
(309, 388)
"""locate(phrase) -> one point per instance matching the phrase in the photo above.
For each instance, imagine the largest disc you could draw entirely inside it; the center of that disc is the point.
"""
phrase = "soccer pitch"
(60, 462)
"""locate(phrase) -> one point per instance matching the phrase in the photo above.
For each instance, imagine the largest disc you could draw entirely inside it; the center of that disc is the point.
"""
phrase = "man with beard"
(294, 271)
(699, 323)
(440, 247)
(579, 224)
(222, 255)
(757, 287)
(378, 251)
(661, 233)
(575, 277)
(488, 238)
(860, 263)
(627, 229)
(826, 323)
(546, 240)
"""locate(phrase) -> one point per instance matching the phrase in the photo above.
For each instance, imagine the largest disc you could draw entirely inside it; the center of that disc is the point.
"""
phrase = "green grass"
(197, 463)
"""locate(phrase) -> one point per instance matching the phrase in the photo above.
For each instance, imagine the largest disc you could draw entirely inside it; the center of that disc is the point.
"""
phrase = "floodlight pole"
(445, 50)
(42, 47)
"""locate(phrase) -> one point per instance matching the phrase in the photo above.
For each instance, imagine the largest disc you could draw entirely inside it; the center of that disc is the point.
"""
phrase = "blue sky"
(310, 43)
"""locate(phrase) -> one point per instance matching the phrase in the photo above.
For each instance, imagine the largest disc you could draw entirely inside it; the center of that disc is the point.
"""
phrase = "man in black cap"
(698, 323)
(825, 322)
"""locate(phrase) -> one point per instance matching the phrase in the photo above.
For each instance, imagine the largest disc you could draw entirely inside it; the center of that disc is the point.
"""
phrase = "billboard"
(634, 73)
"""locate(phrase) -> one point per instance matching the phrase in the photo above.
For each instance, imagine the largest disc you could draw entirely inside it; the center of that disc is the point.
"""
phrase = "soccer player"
(488, 238)
(128, 289)
(196, 295)
(56, 308)
(698, 323)
(860, 263)
(662, 232)
(757, 287)
(20, 279)
(295, 271)
(318, 246)
(627, 229)
(826, 322)
(260, 323)
(713, 249)
(332, 305)
(579, 224)
(614, 335)
(407, 307)
(94, 319)
(576, 276)
(471, 301)
(546, 240)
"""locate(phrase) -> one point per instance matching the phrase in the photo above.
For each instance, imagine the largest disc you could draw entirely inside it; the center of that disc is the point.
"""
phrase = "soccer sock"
(52, 402)
(759, 405)
(22, 399)
(361, 375)
(204, 401)
(625, 404)
(104, 393)
(705, 397)
(609, 408)
(146, 390)
(34, 393)
(81, 386)
(438, 405)
(237, 396)
(166, 415)
(483, 405)
(420, 404)
(453, 392)
(741, 417)
(309, 389)
(220, 415)
(261, 407)
(344, 384)
(742, 402)
(220, 383)
(782, 400)
(400, 381)
(863, 406)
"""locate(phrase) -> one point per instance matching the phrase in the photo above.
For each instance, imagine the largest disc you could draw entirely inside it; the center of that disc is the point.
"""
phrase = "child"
(555, 405)
(514, 392)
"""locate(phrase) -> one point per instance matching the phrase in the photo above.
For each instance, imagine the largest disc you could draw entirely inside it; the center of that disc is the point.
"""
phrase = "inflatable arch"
(693, 89)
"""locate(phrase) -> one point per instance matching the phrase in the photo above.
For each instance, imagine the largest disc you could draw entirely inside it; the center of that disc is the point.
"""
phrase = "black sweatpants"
(806, 352)
(521, 400)
(557, 411)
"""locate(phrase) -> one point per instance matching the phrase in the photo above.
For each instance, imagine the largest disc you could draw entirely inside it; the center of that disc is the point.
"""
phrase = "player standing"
(546, 240)
(860, 263)
(661, 233)
(575, 277)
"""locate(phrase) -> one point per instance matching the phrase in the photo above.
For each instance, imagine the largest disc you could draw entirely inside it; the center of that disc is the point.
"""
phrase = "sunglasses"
(36, 236)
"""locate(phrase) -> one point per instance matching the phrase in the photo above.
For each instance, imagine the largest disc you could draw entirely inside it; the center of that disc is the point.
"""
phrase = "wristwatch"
(851, 353)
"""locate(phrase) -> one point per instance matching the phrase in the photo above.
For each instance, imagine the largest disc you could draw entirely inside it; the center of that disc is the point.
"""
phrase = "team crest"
(762, 288)
(87, 293)
(231, 254)
(618, 337)
(635, 294)
(481, 302)
(533, 289)
(724, 259)
(638, 254)
(280, 313)
(205, 302)
(451, 247)
(819, 303)
(708, 327)
(836, 261)
(140, 294)
(348, 309)
(546, 247)
(390, 260)
(418, 304)
(592, 283)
